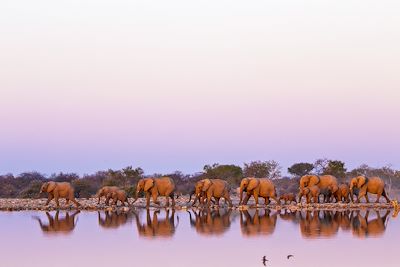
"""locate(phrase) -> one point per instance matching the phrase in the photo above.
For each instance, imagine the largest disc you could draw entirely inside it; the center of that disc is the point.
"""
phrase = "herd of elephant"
(215, 222)
(210, 191)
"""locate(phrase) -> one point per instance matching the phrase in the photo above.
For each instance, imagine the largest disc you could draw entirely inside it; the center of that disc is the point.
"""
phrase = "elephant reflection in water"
(318, 224)
(57, 225)
(113, 219)
(211, 222)
(363, 226)
(258, 224)
(291, 216)
(155, 227)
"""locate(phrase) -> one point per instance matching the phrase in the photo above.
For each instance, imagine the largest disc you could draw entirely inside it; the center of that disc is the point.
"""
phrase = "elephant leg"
(56, 198)
(155, 201)
(167, 200)
(49, 198)
(384, 194)
(227, 198)
(378, 196)
(366, 197)
(147, 200)
(173, 199)
(255, 198)
(246, 199)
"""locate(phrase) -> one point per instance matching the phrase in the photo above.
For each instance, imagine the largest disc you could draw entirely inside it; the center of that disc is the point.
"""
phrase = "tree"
(320, 165)
(261, 169)
(231, 173)
(300, 169)
(335, 168)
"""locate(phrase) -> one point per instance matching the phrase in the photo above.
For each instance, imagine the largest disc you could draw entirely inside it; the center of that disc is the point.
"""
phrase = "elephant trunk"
(190, 196)
(241, 195)
(136, 197)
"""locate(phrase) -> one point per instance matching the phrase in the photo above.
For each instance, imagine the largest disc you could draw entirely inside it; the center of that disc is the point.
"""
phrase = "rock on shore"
(13, 204)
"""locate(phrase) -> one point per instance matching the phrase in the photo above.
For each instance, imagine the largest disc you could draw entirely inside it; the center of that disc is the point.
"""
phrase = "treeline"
(27, 185)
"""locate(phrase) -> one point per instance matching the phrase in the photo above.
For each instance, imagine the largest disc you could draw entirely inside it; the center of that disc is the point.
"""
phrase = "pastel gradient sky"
(173, 85)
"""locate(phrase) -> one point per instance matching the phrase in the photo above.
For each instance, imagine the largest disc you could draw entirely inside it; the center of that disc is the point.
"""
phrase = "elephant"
(59, 190)
(155, 227)
(112, 219)
(313, 225)
(106, 191)
(288, 197)
(257, 224)
(373, 185)
(212, 188)
(211, 222)
(119, 195)
(257, 187)
(310, 192)
(155, 187)
(343, 193)
(363, 227)
(58, 225)
(326, 183)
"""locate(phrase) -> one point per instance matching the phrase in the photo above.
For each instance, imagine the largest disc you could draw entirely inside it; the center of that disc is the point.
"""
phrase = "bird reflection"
(57, 225)
(211, 222)
(259, 224)
(156, 227)
(112, 219)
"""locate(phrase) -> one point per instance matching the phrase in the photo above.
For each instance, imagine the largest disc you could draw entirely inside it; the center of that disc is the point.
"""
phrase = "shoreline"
(15, 204)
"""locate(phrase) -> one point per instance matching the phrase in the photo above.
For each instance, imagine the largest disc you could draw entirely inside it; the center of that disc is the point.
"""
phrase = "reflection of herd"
(214, 222)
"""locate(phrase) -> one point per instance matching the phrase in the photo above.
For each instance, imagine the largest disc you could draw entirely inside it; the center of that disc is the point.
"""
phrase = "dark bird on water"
(264, 260)
(289, 256)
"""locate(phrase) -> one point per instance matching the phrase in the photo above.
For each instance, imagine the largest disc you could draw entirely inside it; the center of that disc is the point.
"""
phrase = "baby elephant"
(310, 192)
(118, 195)
(287, 197)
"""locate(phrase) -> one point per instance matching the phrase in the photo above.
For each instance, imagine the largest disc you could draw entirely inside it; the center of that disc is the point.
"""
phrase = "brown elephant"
(119, 195)
(257, 187)
(106, 191)
(363, 227)
(313, 225)
(212, 188)
(59, 190)
(326, 184)
(57, 225)
(373, 185)
(343, 193)
(311, 192)
(155, 227)
(288, 197)
(112, 219)
(343, 218)
(211, 222)
(258, 224)
(154, 187)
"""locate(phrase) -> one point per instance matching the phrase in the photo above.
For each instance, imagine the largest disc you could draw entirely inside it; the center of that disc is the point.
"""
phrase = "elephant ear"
(206, 184)
(253, 183)
(361, 181)
(315, 179)
(148, 184)
(51, 186)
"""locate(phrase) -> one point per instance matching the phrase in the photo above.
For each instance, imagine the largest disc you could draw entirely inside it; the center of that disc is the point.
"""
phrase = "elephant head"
(309, 180)
(48, 187)
(248, 184)
(357, 183)
(206, 185)
(144, 185)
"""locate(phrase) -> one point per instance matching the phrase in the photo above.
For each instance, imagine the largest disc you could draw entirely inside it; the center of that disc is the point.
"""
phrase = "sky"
(88, 85)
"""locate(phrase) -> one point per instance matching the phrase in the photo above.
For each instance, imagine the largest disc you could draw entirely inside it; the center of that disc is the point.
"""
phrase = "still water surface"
(216, 238)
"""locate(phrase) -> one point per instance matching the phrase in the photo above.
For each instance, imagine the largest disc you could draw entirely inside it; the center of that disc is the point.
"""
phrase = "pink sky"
(174, 85)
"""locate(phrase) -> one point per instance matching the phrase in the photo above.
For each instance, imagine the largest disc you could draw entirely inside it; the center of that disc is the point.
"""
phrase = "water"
(217, 238)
